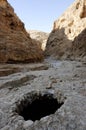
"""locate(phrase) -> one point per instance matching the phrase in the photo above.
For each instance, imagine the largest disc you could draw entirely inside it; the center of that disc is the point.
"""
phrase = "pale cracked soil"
(64, 79)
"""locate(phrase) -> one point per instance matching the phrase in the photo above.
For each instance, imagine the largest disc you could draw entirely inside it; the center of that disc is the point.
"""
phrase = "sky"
(39, 14)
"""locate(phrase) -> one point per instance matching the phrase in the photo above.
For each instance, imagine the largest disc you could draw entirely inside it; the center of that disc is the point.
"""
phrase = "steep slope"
(40, 36)
(79, 45)
(65, 29)
(15, 43)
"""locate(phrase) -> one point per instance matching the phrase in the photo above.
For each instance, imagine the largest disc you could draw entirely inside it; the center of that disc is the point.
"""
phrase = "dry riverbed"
(20, 84)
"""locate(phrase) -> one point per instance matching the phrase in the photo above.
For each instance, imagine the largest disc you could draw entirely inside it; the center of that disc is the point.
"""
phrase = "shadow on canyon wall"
(61, 47)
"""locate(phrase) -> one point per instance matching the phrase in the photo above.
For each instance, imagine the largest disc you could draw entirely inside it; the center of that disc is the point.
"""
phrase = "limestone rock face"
(15, 43)
(40, 36)
(65, 29)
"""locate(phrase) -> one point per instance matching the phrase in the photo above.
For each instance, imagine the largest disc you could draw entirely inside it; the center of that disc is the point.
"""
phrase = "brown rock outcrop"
(15, 43)
(66, 28)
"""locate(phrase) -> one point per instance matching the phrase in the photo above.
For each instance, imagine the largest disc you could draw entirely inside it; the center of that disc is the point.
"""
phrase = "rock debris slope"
(65, 30)
(15, 43)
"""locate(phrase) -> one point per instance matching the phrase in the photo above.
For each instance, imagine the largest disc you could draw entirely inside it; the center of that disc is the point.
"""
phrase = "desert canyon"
(43, 76)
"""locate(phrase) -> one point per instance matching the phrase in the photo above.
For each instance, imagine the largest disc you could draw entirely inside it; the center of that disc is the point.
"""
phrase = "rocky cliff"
(40, 36)
(15, 43)
(79, 45)
(65, 30)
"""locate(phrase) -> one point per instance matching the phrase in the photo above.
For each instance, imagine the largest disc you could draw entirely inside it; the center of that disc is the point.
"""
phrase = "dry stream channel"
(43, 96)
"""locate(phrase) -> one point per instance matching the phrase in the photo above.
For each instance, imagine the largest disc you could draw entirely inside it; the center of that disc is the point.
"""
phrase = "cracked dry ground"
(63, 80)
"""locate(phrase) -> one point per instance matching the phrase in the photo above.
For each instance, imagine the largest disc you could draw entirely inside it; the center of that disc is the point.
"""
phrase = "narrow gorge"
(43, 75)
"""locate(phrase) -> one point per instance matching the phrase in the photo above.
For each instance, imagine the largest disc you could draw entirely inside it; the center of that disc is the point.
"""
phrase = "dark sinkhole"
(40, 107)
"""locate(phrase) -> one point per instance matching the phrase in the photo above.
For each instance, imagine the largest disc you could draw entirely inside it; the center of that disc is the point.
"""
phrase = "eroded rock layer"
(15, 43)
(65, 30)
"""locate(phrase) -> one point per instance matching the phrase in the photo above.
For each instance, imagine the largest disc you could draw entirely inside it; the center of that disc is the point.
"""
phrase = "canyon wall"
(62, 42)
(39, 36)
(15, 43)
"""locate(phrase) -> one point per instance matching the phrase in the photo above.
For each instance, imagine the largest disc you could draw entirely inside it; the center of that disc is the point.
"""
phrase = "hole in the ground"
(41, 106)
